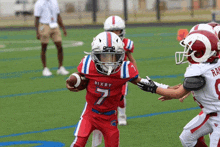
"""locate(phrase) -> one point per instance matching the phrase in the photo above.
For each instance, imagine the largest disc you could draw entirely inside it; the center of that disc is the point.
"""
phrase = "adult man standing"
(47, 22)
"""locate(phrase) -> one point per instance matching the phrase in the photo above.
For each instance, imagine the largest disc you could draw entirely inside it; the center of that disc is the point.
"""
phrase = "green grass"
(28, 102)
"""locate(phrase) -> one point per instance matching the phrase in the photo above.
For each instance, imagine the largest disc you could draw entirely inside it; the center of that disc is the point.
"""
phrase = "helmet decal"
(196, 27)
(109, 39)
(113, 20)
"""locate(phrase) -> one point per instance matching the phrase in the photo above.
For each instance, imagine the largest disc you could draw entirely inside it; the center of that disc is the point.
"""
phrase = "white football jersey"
(208, 97)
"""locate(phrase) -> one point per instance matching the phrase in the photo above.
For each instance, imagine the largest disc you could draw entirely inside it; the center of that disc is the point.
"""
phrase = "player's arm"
(172, 93)
(131, 58)
(138, 79)
(189, 84)
(37, 14)
(37, 26)
(60, 22)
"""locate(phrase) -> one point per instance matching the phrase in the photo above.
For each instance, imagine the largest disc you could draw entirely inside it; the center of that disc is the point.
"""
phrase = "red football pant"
(91, 121)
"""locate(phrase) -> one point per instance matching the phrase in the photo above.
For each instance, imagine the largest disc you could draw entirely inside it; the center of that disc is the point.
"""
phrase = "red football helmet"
(199, 46)
(217, 30)
(203, 26)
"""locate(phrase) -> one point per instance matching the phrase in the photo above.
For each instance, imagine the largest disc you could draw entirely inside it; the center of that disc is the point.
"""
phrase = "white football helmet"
(201, 26)
(115, 23)
(200, 46)
(213, 24)
(107, 53)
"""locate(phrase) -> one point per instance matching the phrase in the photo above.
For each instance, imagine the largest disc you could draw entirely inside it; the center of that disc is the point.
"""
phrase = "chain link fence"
(80, 12)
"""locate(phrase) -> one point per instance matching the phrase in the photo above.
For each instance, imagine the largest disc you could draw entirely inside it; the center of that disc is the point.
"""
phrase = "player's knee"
(183, 142)
(187, 140)
(112, 140)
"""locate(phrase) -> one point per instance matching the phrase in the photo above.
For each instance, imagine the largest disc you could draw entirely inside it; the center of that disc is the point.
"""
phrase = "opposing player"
(203, 79)
(107, 73)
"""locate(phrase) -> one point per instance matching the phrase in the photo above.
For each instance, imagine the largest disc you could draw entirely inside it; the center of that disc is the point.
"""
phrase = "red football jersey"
(128, 46)
(103, 91)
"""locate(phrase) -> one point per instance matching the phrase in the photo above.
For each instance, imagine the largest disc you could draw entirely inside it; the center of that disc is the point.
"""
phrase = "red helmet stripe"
(196, 27)
(109, 39)
(113, 20)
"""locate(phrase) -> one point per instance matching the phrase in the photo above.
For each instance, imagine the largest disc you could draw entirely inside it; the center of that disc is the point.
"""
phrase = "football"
(78, 81)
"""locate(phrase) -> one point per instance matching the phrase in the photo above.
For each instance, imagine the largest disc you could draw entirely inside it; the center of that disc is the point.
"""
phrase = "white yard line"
(38, 47)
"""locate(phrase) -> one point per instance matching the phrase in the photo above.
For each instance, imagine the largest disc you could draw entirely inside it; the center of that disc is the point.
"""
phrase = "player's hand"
(38, 36)
(164, 98)
(185, 96)
(175, 86)
(147, 85)
(64, 32)
(71, 88)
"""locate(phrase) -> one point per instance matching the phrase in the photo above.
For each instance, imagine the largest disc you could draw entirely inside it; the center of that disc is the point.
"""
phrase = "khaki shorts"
(46, 33)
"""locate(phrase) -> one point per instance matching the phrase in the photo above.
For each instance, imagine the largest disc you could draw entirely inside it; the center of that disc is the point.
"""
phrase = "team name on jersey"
(102, 84)
(215, 71)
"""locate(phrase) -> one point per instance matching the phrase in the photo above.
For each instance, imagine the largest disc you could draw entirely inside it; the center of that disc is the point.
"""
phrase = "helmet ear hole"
(116, 40)
(100, 40)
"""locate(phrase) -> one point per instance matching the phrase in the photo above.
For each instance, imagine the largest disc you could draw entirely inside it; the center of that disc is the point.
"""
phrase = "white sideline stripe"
(79, 43)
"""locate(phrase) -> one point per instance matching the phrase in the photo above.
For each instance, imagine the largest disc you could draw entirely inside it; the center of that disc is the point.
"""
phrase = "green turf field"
(40, 111)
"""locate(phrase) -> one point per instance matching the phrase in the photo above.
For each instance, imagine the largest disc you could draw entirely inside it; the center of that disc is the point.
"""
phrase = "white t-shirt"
(208, 98)
(47, 10)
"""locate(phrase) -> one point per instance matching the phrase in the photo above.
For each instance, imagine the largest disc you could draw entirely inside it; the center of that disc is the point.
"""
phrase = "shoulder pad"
(85, 64)
(194, 83)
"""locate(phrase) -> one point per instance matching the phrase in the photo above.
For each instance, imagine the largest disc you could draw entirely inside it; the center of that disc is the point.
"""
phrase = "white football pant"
(201, 125)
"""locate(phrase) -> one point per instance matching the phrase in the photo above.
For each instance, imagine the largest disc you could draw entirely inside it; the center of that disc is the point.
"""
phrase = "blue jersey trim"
(124, 70)
(133, 78)
(86, 63)
(129, 44)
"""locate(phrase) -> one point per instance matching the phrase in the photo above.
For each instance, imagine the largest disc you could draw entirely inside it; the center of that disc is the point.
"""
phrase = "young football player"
(202, 78)
(107, 72)
(116, 25)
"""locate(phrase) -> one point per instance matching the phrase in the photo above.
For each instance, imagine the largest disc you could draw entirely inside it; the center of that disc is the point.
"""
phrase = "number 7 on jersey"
(104, 94)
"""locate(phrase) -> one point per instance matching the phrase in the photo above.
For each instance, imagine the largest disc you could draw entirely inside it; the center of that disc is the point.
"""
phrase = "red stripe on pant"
(196, 128)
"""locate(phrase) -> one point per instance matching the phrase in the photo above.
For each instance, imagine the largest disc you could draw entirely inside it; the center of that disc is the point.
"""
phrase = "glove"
(147, 85)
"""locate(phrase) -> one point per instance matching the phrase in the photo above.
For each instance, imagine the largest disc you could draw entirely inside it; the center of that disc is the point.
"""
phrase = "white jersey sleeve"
(208, 97)
(194, 70)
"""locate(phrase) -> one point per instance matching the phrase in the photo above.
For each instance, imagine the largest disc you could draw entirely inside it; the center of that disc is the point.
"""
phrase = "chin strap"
(109, 70)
